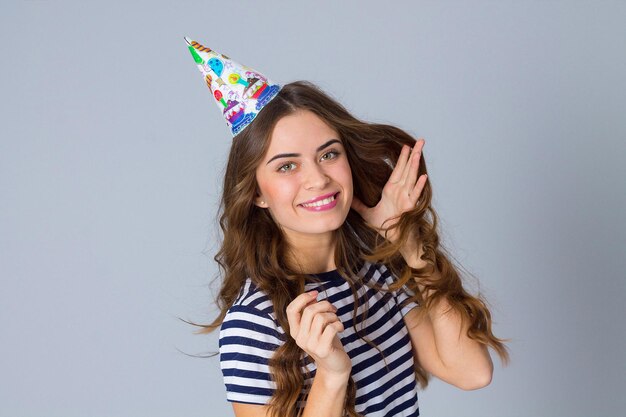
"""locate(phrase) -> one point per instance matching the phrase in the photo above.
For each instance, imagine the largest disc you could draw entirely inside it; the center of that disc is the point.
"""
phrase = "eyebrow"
(292, 155)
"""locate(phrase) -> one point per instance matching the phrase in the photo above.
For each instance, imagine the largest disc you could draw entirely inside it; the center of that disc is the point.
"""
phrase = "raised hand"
(315, 326)
(400, 193)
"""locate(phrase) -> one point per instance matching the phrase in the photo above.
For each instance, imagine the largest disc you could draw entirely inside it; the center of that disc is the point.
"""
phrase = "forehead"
(299, 132)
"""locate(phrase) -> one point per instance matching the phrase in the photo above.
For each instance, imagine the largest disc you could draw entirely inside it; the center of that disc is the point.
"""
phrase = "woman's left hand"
(399, 195)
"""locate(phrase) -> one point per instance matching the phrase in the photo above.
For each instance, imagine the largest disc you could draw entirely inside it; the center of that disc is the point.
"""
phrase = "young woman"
(337, 297)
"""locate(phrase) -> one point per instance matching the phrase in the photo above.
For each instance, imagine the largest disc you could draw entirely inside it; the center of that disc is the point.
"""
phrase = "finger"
(294, 310)
(320, 322)
(410, 174)
(312, 309)
(396, 174)
(413, 170)
(330, 332)
(309, 313)
(419, 187)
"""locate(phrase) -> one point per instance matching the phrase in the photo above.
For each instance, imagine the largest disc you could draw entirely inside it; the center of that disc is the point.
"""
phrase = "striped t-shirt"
(250, 334)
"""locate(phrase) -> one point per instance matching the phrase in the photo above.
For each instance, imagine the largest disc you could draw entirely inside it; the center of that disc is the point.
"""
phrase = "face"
(304, 178)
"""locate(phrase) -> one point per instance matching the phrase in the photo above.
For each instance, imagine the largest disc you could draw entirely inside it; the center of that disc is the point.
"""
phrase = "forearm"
(443, 336)
(327, 396)
(464, 362)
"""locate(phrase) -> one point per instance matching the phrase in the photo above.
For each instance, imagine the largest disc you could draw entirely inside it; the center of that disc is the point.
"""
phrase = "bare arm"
(441, 345)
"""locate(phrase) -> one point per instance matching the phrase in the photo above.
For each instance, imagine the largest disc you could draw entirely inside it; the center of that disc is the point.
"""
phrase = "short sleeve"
(402, 295)
(403, 299)
(248, 338)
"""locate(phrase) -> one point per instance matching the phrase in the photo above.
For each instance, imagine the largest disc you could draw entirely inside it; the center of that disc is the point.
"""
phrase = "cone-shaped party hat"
(240, 92)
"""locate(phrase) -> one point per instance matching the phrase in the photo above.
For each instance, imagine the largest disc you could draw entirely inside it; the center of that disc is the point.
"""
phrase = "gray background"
(112, 148)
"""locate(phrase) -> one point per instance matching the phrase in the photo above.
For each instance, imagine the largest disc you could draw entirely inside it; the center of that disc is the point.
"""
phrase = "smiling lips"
(322, 203)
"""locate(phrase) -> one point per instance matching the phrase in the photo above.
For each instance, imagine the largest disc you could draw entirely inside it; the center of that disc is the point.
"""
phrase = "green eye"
(283, 166)
(335, 153)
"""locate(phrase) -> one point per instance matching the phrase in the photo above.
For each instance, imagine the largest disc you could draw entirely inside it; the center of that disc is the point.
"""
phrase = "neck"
(313, 254)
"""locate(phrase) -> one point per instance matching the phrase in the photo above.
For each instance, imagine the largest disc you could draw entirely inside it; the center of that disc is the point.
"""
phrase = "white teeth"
(320, 203)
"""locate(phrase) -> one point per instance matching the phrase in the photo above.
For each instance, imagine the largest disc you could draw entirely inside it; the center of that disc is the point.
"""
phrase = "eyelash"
(280, 168)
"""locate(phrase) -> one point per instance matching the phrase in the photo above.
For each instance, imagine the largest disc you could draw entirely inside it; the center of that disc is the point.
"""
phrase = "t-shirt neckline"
(328, 276)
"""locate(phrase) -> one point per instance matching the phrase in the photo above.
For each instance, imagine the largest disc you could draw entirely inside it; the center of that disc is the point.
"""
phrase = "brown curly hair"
(253, 245)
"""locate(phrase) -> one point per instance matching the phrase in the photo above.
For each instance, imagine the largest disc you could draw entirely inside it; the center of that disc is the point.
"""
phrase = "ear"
(259, 201)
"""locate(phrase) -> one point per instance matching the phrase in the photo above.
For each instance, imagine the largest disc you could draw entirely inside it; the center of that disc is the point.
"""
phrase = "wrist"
(331, 380)
(412, 253)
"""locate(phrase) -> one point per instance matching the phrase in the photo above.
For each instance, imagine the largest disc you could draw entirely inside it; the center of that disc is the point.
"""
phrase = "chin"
(332, 226)
(318, 228)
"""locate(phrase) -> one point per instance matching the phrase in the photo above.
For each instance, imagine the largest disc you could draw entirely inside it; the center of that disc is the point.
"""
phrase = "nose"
(316, 177)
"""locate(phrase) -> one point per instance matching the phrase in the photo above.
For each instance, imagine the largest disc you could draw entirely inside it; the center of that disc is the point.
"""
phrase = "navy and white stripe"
(250, 334)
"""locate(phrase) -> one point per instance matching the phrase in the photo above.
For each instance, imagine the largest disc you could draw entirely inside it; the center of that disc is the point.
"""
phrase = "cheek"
(346, 174)
(280, 191)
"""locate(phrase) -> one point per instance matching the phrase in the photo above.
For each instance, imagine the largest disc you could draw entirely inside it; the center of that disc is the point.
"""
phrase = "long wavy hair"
(254, 247)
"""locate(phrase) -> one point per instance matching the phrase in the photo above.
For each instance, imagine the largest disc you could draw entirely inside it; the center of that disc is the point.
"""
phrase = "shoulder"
(403, 296)
(250, 296)
(385, 276)
(252, 301)
(376, 272)
(248, 338)
(251, 320)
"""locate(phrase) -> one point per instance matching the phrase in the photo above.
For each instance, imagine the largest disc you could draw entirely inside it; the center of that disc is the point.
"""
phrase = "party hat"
(240, 92)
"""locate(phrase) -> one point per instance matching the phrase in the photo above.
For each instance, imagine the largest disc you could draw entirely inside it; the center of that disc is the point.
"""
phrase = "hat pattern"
(239, 91)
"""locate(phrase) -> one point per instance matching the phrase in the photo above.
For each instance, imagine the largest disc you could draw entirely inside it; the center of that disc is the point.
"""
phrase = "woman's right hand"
(315, 326)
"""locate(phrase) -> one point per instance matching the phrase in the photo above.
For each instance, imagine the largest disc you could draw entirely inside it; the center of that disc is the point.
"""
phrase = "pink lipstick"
(321, 203)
